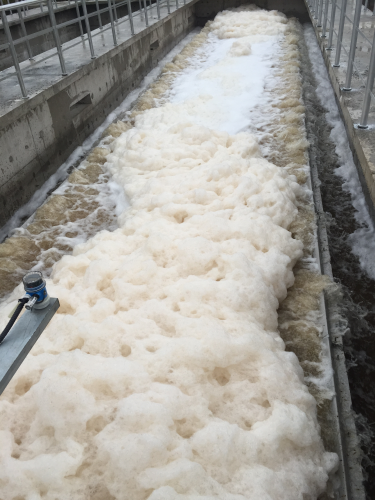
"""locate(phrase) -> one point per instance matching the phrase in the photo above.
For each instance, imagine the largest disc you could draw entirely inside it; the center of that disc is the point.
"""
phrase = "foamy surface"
(163, 375)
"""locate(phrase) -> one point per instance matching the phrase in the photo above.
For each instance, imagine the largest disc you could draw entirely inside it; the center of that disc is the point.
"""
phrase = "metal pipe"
(23, 27)
(332, 25)
(88, 30)
(115, 11)
(158, 8)
(340, 33)
(353, 45)
(13, 54)
(177, 6)
(319, 25)
(130, 15)
(168, 7)
(316, 9)
(325, 20)
(99, 15)
(145, 9)
(368, 90)
(56, 37)
(140, 9)
(112, 25)
(79, 20)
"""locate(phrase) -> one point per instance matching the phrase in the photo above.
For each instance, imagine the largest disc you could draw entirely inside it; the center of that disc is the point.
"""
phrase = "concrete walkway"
(45, 69)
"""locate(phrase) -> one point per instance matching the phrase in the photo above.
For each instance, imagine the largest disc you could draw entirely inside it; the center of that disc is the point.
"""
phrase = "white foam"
(164, 376)
(362, 241)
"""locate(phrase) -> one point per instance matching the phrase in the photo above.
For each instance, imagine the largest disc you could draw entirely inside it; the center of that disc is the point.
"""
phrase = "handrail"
(329, 16)
(145, 8)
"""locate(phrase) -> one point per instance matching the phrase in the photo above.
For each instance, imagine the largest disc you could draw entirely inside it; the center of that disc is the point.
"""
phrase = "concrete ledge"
(39, 134)
(362, 142)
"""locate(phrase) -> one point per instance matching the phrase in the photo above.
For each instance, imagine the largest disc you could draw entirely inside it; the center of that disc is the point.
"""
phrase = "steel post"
(88, 30)
(140, 10)
(177, 6)
(79, 20)
(99, 15)
(145, 9)
(168, 7)
(353, 45)
(320, 13)
(158, 8)
(13, 54)
(115, 11)
(340, 33)
(332, 24)
(130, 15)
(369, 87)
(112, 24)
(316, 9)
(325, 19)
(56, 36)
(23, 27)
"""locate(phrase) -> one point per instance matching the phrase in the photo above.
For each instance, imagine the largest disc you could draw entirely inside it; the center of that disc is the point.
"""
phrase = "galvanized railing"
(324, 13)
(8, 13)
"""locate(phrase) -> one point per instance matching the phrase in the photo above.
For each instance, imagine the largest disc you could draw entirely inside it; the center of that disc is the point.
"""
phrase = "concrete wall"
(40, 134)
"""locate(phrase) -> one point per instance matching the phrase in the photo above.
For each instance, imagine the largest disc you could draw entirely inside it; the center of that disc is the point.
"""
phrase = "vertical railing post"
(130, 15)
(112, 24)
(319, 25)
(88, 30)
(23, 27)
(56, 36)
(158, 8)
(332, 24)
(369, 87)
(316, 9)
(140, 10)
(13, 54)
(340, 33)
(115, 11)
(145, 9)
(353, 45)
(168, 7)
(177, 6)
(325, 19)
(79, 19)
(99, 15)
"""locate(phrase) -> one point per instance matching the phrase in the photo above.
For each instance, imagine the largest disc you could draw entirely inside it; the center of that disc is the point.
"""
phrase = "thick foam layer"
(163, 375)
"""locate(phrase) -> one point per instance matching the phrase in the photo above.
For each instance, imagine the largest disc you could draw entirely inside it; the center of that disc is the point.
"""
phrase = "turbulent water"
(351, 243)
(176, 367)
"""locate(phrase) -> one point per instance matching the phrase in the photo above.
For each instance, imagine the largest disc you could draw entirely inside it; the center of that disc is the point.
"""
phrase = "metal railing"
(145, 12)
(325, 13)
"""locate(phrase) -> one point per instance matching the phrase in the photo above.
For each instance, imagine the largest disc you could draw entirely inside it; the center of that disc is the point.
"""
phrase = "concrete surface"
(38, 134)
(362, 142)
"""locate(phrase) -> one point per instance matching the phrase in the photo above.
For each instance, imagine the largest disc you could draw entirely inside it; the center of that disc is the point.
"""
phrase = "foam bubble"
(163, 375)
